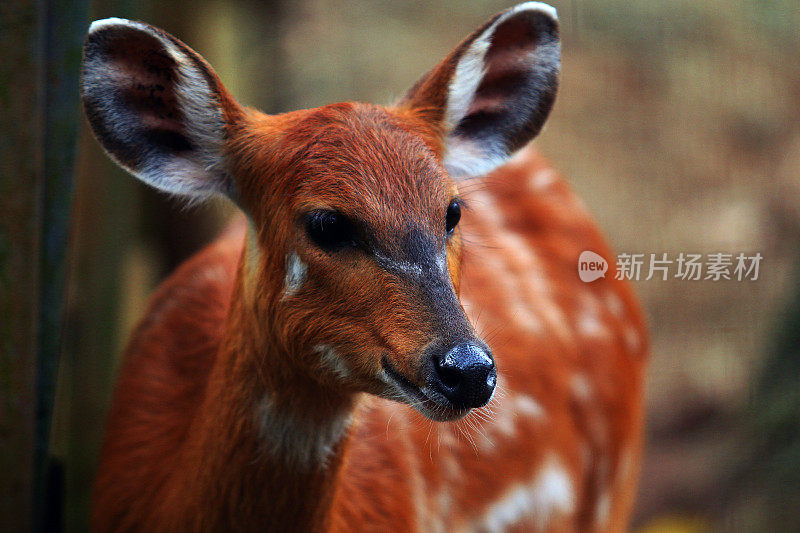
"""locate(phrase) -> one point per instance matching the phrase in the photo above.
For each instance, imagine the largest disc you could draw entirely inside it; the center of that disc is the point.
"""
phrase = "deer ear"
(157, 108)
(492, 94)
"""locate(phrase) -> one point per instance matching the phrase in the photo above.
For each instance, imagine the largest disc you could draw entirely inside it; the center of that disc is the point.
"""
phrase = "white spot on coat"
(550, 495)
(542, 179)
(602, 510)
(504, 424)
(297, 439)
(522, 276)
(529, 407)
(581, 387)
(332, 361)
(632, 339)
(589, 325)
(614, 303)
(295, 274)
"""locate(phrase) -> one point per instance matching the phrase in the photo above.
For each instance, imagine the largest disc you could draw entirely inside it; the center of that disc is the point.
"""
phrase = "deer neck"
(272, 438)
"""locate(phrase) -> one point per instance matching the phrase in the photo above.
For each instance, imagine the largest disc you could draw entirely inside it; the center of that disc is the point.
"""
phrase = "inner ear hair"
(157, 108)
(493, 93)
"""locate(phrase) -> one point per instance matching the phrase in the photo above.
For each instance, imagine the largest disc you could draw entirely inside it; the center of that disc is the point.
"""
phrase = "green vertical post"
(63, 28)
(20, 185)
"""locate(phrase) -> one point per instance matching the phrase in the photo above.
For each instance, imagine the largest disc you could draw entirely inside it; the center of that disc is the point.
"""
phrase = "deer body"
(264, 388)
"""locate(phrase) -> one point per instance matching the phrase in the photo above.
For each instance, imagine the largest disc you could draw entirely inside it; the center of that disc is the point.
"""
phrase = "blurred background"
(677, 122)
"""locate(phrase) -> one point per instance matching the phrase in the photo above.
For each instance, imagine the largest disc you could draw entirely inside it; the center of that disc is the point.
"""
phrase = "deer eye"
(453, 216)
(330, 230)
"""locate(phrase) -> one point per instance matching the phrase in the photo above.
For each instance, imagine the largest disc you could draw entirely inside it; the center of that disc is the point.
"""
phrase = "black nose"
(465, 375)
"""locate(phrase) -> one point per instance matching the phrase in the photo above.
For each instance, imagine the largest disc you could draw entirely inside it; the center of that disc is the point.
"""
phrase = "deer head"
(353, 263)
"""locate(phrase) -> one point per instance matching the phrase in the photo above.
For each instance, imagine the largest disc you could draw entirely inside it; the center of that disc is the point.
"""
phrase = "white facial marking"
(550, 495)
(441, 262)
(385, 378)
(295, 274)
(299, 440)
(410, 269)
(332, 361)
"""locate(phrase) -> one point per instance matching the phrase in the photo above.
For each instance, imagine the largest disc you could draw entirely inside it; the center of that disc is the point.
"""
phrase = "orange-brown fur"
(223, 382)
(172, 370)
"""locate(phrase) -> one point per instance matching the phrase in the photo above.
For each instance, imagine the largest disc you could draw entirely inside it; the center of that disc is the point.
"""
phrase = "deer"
(393, 335)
